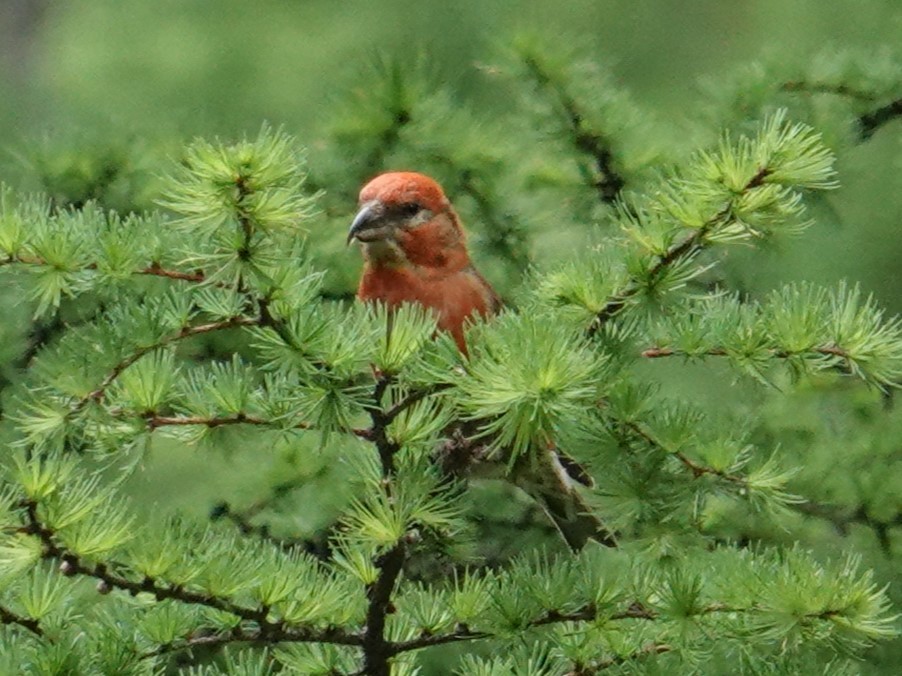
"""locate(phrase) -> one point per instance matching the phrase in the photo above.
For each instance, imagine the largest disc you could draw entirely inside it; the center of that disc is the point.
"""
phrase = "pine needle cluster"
(206, 325)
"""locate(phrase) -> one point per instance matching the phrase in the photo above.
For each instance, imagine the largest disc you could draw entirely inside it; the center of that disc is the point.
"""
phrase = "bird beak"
(367, 219)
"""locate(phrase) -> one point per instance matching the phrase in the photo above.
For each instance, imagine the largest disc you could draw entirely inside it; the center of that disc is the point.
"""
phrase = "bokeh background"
(114, 75)
(97, 96)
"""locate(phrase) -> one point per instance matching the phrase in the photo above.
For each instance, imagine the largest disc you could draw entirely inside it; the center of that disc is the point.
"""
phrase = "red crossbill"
(415, 251)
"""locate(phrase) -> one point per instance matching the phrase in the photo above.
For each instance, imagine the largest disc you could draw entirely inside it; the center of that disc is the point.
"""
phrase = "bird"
(415, 251)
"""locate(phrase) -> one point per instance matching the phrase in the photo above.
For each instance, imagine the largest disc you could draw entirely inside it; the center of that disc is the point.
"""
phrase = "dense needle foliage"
(220, 324)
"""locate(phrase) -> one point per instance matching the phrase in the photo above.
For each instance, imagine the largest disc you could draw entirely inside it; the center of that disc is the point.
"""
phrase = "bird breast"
(453, 297)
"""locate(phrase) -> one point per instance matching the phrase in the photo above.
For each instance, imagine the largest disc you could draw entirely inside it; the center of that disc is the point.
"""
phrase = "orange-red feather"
(434, 269)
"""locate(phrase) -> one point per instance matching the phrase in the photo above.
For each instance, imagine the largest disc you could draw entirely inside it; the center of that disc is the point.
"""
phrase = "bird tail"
(572, 517)
(560, 499)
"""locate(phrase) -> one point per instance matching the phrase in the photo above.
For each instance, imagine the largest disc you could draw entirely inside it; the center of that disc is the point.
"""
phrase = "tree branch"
(155, 421)
(185, 332)
(7, 616)
(842, 518)
(502, 232)
(376, 650)
(413, 398)
(253, 636)
(825, 350)
(72, 564)
(601, 665)
(688, 247)
(807, 87)
(870, 122)
(242, 521)
(378, 432)
(152, 270)
(588, 613)
(696, 468)
(607, 182)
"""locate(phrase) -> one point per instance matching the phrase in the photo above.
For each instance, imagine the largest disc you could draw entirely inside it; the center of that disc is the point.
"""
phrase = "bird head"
(404, 217)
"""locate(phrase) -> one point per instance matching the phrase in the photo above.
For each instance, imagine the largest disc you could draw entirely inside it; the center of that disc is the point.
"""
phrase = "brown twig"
(870, 122)
(183, 333)
(684, 249)
(696, 468)
(645, 651)
(843, 517)
(828, 350)
(155, 269)
(157, 421)
(607, 182)
(7, 616)
(376, 649)
(271, 631)
(807, 87)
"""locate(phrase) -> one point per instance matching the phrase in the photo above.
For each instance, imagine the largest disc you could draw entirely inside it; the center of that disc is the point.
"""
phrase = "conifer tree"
(218, 323)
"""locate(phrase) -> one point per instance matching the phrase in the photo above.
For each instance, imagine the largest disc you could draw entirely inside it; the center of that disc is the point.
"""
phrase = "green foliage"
(203, 330)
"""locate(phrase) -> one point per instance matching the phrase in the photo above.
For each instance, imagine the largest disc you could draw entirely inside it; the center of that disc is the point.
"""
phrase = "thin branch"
(463, 633)
(502, 232)
(685, 249)
(7, 616)
(72, 564)
(807, 87)
(157, 421)
(827, 350)
(413, 398)
(183, 333)
(378, 432)
(243, 518)
(588, 613)
(242, 521)
(870, 122)
(696, 468)
(254, 636)
(645, 651)
(607, 182)
(155, 269)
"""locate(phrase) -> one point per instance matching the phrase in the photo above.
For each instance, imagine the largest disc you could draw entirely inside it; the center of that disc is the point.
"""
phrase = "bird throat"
(384, 253)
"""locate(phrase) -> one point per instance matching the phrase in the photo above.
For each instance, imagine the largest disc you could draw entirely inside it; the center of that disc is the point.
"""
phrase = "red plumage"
(415, 251)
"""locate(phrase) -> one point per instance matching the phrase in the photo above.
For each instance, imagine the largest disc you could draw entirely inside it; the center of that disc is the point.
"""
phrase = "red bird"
(416, 251)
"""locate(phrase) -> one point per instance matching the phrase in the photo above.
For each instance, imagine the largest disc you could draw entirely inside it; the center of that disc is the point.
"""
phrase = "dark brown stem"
(9, 617)
(607, 182)
(843, 517)
(696, 468)
(376, 649)
(870, 122)
(827, 88)
(413, 398)
(645, 651)
(185, 332)
(378, 432)
(829, 349)
(254, 636)
(157, 421)
(684, 249)
(72, 564)
(152, 270)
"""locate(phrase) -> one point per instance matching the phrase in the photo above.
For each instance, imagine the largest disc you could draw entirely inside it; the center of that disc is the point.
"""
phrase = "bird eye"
(410, 209)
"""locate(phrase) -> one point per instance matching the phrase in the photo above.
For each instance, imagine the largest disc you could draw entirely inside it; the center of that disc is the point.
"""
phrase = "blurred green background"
(128, 73)
(91, 84)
